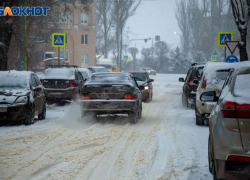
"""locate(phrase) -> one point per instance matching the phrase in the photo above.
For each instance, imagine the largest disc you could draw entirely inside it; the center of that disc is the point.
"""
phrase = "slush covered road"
(165, 144)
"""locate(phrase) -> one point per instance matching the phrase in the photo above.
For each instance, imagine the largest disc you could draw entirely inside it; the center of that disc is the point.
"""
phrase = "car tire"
(30, 119)
(42, 116)
(210, 159)
(140, 112)
(133, 116)
(214, 173)
(198, 121)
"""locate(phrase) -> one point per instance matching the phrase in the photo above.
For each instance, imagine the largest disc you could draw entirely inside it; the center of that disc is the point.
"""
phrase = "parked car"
(85, 73)
(21, 97)
(62, 84)
(143, 80)
(97, 69)
(229, 130)
(190, 84)
(112, 93)
(149, 70)
(214, 75)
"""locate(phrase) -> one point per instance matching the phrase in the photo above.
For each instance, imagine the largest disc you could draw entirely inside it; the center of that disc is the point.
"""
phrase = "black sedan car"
(62, 84)
(112, 93)
(21, 97)
(143, 80)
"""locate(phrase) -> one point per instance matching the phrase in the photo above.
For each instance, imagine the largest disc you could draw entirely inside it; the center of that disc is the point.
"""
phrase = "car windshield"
(13, 81)
(85, 75)
(140, 76)
(96, 70)
(242, 85)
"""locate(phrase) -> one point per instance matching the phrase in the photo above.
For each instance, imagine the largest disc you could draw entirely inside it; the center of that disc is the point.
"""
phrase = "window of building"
(71, 17)
(84, 18)
(63, 17)
(84, 58)
(85, 39)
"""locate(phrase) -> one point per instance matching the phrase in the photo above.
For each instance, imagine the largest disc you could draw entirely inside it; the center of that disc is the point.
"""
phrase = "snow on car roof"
(59, 73)
(83, 70)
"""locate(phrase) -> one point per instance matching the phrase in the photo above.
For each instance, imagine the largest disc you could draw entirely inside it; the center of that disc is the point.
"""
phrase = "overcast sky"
(155, 17)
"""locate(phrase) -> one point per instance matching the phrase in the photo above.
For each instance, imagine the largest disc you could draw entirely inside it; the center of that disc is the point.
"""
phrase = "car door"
(185, 86)
(137, 90)
(37, 94)
(150, 85)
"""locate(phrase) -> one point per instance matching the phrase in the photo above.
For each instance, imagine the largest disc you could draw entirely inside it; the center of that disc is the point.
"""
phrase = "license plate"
(106, 106)
(3, 109)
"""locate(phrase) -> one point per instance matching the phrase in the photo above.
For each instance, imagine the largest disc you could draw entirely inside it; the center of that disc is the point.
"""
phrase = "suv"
(229, 130)
(214, 75)
(21, 97)
(190, 84)
(62, 84)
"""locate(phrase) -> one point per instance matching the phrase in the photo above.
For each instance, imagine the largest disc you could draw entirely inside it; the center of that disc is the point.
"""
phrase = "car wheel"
(210, 159)
(184, 103)
(133, 116)
(140, 112)
(198, 120)
(42, 116)
(30, 119)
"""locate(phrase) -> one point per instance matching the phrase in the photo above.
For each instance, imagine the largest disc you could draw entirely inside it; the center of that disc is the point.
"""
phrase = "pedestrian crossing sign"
(213, 58)
(125, 58)
(223, 37)
(58, 40)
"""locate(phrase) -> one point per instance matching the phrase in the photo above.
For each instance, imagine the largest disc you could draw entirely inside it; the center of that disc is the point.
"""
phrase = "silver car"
(229, 126)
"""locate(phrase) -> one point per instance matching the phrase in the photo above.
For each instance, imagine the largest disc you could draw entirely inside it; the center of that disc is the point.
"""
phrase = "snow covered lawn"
(165, 144)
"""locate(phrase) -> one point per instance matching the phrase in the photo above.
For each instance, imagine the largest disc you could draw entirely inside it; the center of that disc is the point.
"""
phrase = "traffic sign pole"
(58, 55)
(225, 53)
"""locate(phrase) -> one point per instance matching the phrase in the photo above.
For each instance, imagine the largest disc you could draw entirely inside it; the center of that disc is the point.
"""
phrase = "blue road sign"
(223, 37)
(232, 59)
(58, 40)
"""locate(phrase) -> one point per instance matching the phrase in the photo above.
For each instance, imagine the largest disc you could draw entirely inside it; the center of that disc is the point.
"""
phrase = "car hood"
(9, 96)
(141, 83)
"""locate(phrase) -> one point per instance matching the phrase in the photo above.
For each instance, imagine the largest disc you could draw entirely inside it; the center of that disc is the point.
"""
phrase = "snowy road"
(165, 144)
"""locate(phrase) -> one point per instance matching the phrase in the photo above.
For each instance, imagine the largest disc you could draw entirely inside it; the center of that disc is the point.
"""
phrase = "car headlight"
(148, 71)
(146, 88)
(21, 100)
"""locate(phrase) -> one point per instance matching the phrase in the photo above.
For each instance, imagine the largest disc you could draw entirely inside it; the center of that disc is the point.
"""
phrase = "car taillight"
(228, 109)
(72, 83)
(41, 81)
(239, 158)
(191, 85)
(129, 96)
(243, 110)
(85, 96)
(204, 83)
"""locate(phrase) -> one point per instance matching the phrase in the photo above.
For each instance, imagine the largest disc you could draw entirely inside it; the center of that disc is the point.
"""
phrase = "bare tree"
(146, 53)
(133, 51)
(105, 23)
(241, 11)
(122, 11)
(161, 50)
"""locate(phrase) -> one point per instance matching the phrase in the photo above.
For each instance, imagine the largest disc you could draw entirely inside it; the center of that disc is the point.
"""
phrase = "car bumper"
(14, 112)
(66, 94)
(109, 106)
(145, 94)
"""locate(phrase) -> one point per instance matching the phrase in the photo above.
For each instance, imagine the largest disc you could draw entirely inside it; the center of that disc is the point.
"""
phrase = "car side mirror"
(151, 80)
(181, 80)
(196, 82)
(141, 88)
(209, 96)
(36, 89)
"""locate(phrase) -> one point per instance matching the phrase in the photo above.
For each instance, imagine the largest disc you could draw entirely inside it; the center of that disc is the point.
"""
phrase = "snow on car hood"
(141, 83)
(9, 96)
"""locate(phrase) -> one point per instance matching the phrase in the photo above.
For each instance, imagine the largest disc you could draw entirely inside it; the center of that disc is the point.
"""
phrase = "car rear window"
(199, 71)
(85, 75)
(59, 73)
(217, 79)
(109, 79)
(140, 76)
(100, 70)
(11, 81)
(242, 85)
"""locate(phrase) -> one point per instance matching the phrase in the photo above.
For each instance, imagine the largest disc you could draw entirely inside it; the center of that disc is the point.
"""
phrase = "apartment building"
(79, 26)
